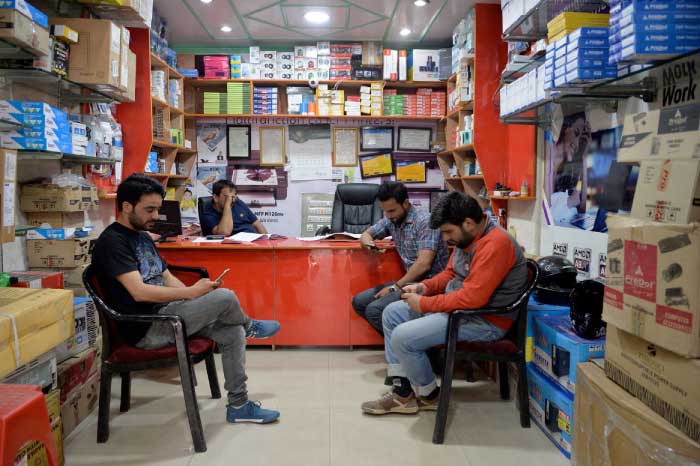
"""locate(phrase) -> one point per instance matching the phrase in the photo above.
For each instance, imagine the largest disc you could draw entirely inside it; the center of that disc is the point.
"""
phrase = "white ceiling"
(193, 24)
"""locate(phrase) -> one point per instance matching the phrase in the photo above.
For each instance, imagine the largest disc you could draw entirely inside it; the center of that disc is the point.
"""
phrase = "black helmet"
(587, 309)
(557, 279)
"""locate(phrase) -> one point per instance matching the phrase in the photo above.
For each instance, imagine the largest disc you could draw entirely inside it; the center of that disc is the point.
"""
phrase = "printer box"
(668, 191)
(551, 408)
(537, 309)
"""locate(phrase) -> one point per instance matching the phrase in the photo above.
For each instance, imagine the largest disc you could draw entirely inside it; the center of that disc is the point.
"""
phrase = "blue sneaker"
(251, 412)
(262, 328)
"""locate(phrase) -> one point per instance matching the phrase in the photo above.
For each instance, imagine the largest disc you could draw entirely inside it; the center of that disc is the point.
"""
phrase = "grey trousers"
(216, 315)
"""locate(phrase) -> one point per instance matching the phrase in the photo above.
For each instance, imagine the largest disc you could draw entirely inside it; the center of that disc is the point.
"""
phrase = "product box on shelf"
(86, 332)
(557, 349)
(52, 198)
(423, 65)
(668, 191)
(551, 408)
(47, 253)
(41, 371)
(38, 279)
(24, 31)
(664, 381)
(653, 282)
(42, 317)
(614, 428)
(8, 179)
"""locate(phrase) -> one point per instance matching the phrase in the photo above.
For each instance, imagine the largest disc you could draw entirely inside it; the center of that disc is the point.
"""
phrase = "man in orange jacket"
(486, 269)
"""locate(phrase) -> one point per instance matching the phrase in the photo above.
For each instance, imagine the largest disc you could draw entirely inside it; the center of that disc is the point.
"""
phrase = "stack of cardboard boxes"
(652, 294)
(25, 26)
(8, 178)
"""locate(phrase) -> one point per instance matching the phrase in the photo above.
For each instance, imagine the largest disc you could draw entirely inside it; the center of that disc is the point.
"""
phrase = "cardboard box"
(551, 408)
(130, 94)
(423, 65)
(41, 320)
(662, 380)
(50, 253)
(38, 279)
(80, 404)
(34, 453)
(52, 198)
(537, 309)
(668, 191)
(42, 372)
(8, 175)
(24, 32)
(613, 428)
(74, 372)
(652, 286)
(95, 59)
(57, 219)
(85, 336)
(558, 350)
(131, 13)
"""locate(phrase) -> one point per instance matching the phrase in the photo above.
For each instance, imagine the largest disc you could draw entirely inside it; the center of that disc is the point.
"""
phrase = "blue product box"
(560, 81)
(659, 28)
(151, 163)
(538, 309)
(669, 39)
(39, 144)
(587, 53)
(557, 350)
(587, 43)
(642, 17)
(559, 62)
(559, 52)
(559, 43)
(552, 409)
(59, 233)
(615, 9)
(657, 51)
(48, 133)
(586, 62)
(589, 33)
(27, 10)
(560, 71)
(600, 72)
(661, 6)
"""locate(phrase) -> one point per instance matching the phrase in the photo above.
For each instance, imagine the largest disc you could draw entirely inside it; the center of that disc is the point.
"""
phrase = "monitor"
(169, 221)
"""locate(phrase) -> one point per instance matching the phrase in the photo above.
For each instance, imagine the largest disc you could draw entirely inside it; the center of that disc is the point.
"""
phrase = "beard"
(465, 240)
(399, 221)
(138, 224)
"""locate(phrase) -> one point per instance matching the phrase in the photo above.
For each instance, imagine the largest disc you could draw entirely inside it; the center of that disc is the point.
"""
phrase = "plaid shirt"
(413, 235)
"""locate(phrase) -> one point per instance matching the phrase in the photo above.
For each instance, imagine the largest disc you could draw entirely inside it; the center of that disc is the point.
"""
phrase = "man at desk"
(422, 251)
(227, 214)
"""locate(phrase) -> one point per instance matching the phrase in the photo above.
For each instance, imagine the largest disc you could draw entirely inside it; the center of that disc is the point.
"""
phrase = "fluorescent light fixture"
(225, 28)
(206, 1)
(316, 17)
(405, 31)
(421, 2)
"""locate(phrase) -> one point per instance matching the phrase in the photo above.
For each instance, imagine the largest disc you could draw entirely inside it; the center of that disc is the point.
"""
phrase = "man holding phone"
(227, 214)
(421, 249)
(128, 264)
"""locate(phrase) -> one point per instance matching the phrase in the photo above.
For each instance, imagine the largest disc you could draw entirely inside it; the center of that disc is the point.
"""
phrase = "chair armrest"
(198, 270)
(145, 318)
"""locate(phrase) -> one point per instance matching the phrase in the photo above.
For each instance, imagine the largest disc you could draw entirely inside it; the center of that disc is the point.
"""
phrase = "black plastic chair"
(119, 357)
(202, 204)
(510, 349)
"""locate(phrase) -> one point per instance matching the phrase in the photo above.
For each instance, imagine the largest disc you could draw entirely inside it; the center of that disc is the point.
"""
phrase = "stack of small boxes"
(323, 61)
(62, 36)
(393, 103)
(464, 86)
(268, 64)
(332, 101)
(251, 70)
(158, 84)
(216, 67)
(46, 128)
(341, 60)
(298, 100)
(285, 65)
(237, 98)
(215, 103)
(235, 62)
(352, 106)
(372, 99)
(566, 23)
(585, 60)
(175, 93)
(265, 100)
(644, 31)
(79, 139)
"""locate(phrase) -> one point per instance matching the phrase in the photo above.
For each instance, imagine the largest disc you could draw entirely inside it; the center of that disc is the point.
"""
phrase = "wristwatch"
(393, 288)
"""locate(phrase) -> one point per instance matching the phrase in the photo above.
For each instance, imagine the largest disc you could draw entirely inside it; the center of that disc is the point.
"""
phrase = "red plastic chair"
(23, 418)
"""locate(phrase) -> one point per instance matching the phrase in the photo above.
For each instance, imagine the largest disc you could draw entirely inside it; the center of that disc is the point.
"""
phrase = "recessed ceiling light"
(206, 1)
(225, 28)
(405, 31)
(316, 17)
(421, 2)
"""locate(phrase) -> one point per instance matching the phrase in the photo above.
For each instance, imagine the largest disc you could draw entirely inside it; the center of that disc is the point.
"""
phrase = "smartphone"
(373, 247)
(218, 279)
(216, 236)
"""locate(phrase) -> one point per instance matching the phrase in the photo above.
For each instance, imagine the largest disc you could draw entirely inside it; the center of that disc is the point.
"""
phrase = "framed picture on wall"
(377, 138)
(238, 141)
(374, 165)
(345, 147)
(411, 171)
(272, 146)
(415, 139)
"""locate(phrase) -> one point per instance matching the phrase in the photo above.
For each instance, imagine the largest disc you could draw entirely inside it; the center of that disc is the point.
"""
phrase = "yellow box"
(376, 85)
(42, 318)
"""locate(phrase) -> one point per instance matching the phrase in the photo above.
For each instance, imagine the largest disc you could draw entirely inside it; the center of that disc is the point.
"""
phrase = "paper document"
(205, 240)
(344, 236)
(245, 237)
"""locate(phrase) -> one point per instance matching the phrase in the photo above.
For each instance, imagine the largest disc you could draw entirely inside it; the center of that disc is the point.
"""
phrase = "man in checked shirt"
(422, 251)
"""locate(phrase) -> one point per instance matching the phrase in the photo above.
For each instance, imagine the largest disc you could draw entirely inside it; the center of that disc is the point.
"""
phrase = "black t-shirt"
(120, 250)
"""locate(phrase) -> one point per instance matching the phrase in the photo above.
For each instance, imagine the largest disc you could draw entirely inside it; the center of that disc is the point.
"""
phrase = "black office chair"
(355, 208)
(202, 204)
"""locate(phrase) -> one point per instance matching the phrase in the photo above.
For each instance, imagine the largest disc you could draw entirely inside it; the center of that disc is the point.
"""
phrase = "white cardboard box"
(668, 191)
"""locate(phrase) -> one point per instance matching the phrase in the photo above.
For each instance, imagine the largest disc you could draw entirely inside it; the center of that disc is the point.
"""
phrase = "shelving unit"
(204, 116)
(532, 25)
(67, 159)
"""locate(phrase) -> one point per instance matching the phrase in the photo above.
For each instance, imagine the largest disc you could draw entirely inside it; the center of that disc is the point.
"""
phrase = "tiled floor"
(319, 393)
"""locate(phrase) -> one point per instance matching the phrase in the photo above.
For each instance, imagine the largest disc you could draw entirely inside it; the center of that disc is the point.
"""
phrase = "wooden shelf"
(108, 196)
(156, 102)
(176, 111)
(454, 178)
(178, 177)
(473, 177)
(157, 175)
(325, 117)
(185, 151)
(165, 145)
(204, 82)
(517, 198)
(459, 149)
(159, 63)
(466, 107)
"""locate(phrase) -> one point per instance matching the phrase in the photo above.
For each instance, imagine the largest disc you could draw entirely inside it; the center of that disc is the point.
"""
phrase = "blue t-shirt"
(243, 218)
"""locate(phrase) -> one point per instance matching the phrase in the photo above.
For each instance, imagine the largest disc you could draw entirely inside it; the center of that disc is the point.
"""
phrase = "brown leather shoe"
(391, 402)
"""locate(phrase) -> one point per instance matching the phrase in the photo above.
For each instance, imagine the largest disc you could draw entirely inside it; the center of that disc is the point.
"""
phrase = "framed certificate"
(374, 165)
(272, 146)
(415, 139)
(345, 142)
(238, 141)
(411, 172)
(377, 138)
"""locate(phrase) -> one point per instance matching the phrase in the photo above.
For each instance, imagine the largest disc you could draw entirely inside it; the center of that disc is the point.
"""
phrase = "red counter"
(307, 286)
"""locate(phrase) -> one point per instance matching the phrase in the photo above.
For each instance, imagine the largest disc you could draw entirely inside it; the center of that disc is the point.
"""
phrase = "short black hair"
(455, 207)
(136, 185)
(392, 190)
(221, 184)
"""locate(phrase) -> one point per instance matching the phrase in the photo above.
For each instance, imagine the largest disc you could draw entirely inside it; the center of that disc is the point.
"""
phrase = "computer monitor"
(169, 221)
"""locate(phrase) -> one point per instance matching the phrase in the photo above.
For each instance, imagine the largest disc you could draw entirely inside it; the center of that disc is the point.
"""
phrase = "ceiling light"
(206, 1)
(316, 17)
(405, 31)
(421, 2)
(225, 28)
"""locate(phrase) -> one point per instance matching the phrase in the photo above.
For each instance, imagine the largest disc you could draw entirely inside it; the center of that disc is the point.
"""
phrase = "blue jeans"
(408, 334)
(370, 308)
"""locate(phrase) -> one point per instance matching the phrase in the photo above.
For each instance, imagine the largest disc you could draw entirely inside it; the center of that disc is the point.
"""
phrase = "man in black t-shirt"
(128, 265)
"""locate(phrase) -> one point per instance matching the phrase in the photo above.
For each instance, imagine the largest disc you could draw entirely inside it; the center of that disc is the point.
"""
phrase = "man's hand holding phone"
(417, 288)
(202, 287)
(220, 277)
(412, 294)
